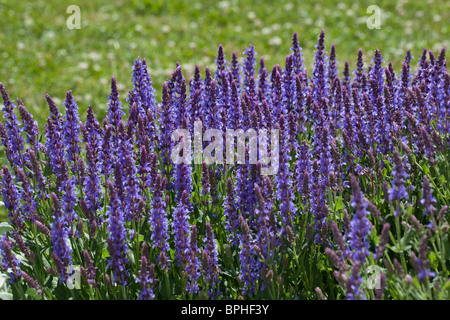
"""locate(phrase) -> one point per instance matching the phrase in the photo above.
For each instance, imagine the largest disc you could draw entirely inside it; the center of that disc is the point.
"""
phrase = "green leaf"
(446, 286)
(200, 216)
(105, 253)
(425, 168)
(338, 203)
(3, 279)
(6, 296)
(5, 227)
(47, 170)
(131, 257)
(447, 246)
(393, 248)
(31, 292)
(408, 236)
(433, 259)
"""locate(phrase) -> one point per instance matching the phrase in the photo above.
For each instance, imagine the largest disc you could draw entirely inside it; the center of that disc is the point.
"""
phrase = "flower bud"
(415, 223)
(408, 279)
(319, 294)
(80, 227)
(269, 275)
(290, 235)
(280, 279)
(107, 280)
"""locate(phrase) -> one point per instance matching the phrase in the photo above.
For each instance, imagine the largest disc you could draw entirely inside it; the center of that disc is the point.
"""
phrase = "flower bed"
(357, 208)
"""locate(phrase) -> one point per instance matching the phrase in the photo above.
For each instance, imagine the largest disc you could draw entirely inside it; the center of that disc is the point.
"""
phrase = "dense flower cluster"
(105, 196)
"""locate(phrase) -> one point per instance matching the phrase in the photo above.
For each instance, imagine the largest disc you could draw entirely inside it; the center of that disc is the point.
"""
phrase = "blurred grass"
(39, 54)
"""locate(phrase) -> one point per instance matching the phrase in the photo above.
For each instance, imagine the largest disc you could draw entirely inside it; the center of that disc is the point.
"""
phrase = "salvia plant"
(358, 208)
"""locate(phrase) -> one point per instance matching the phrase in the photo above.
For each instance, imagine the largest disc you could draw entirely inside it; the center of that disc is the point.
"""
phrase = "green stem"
(166, 277)
(397, 227)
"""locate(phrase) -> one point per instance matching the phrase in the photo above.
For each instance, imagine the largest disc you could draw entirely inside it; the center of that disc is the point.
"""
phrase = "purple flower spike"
(220, 62)
(143, 88)
(180, 227)
(297, 55)
(288, 88)
(146, 280)
(11, 199)
(7, 144)
(422, 264)
(115, 112)
(9, 261)
(29, 205)
(60, 233)
(398, 190)
(131, 190)
(89, 272)
(354, 284)
(318, 78)
(178, 104)
(93, 181)
(30, 126)
(114, 116)
(117, 238)
(183, 179)
(360, 226)
(158, 216)
(210, 263)
(359, 72)
(230, 212)
(332, 71)
(166, 128)
(283, 180)
(236, 71)
(247, 258)
(428, 200)
(193, 267)
(71, 128)
(13, 130)
(249, 67)
(377, 75)
(55, 116)
(205, 179)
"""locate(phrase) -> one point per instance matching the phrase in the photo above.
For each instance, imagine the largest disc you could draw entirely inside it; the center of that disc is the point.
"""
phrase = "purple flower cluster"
(354, 291)
(210, 263)
(11, 199)
(193, 267)
(12, 139)
(421, 264)
(158, 218)
(9, 262)
(146, 279)
(398, 189)
(117, 240)
(359, 226)
(60, 237)
(336, 130)
(248, 260)
(71, 128)
(180, 226)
